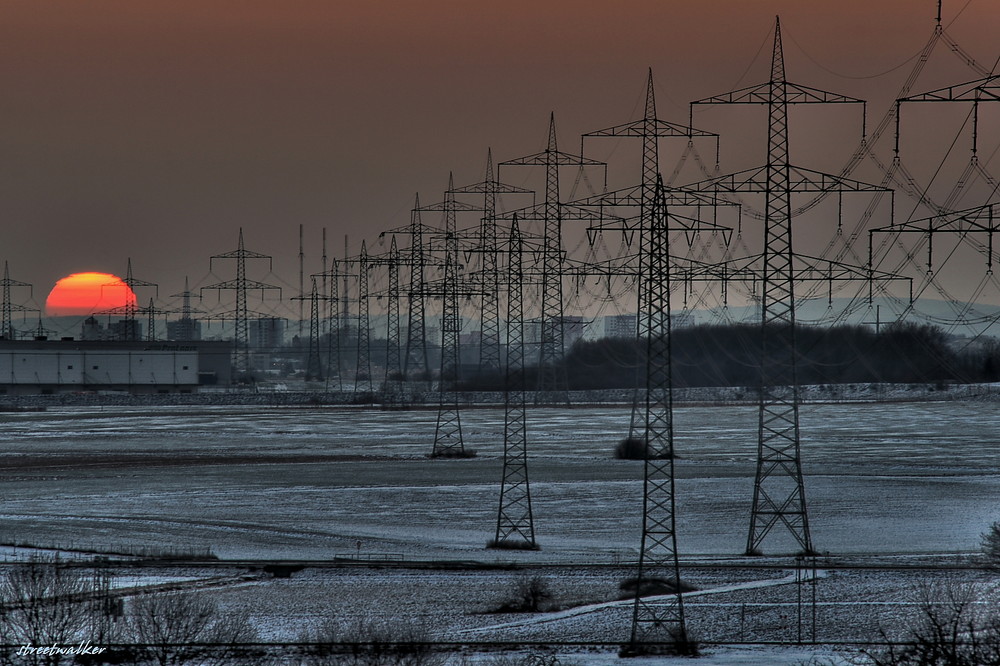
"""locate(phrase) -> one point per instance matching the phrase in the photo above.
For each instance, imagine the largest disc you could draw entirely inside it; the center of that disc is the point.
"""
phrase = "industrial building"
(68, 365)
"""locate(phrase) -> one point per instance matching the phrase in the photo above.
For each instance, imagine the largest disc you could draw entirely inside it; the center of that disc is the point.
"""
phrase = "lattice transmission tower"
(448, 440)
(335, 322)
(415, 363)
(242, 368)
(515, 520)
(491, 189)
(779, 492)
(552, 382)
(660, 620)
(187, 326)
(314, 357)
(363, 384)
(649, 129)
(8, 308)
(392, 388)
(129, 326)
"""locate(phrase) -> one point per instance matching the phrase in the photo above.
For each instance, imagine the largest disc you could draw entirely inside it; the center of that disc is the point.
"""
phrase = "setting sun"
(86, 293)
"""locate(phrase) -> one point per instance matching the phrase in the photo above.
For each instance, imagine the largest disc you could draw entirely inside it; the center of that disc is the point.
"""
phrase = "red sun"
(87, 293)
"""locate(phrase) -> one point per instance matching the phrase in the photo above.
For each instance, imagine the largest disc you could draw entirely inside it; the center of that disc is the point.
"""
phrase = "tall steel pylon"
(552, 382)
(314, 362)
(650, 129)
(779, 492)
(187, 330)
(393, 359)
(491, 189)
(448, 433)
(334, 353)
(130, 310)
(151, 311)
(415, 363)
(658, 620)
(8, 307)
(335, 323)
(242, 369)
(515, 522)
(391, 389)
(363, 373)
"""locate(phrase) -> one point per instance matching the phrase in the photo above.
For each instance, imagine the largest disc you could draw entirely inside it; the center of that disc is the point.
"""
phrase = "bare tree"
(187, 627)
(43, 602)
(951, 628)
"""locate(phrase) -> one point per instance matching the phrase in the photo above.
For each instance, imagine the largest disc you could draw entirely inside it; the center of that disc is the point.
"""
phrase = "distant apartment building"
(266, 333)
(620, 326)
(122, 330)
(470, 339)
(682, 320)
(184, 329)
(626, 325)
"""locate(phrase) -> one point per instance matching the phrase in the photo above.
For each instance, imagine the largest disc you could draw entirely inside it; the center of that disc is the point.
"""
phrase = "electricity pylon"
(8, 308)
(314, 361)
(658, 622)
(186, 331)
(130, 309)
(242, 369)
(335, 323)
(515, 522)
(552, 383)
(491, 189)
(650, 129)
(415, 365)
(392, 388)
(448, 432)
(363, 371)
(779, 491)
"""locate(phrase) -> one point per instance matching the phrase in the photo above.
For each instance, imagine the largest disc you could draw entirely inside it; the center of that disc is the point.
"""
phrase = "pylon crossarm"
(981, 90)
(794, 93)
(656, 127)
(547, 157)
(800, 180)
(981, 219)
(567, 212)
(633, 196)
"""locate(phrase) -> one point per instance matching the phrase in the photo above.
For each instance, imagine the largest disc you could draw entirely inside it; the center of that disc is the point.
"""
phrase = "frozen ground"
(883, 481)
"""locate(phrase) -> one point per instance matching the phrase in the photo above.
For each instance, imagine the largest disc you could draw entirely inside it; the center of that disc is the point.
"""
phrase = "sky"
(155, 130)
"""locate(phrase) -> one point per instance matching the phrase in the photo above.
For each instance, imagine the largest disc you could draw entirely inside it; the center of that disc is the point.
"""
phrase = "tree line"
(731, 355)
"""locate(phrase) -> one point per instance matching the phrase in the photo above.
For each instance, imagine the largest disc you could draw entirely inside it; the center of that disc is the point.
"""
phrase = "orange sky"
(156, 129)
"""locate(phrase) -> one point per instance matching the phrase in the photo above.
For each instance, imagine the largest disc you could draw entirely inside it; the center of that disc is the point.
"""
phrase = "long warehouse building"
(54, 366)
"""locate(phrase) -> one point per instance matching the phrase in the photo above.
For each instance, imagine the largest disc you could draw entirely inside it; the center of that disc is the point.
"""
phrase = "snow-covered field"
(883, 482)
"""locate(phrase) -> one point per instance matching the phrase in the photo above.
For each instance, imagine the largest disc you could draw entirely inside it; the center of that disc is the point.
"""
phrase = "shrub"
(365, 642)
(651, 587)
(512, 544)
(991, 545)
(631, 448)
(454, 453)
(528, 595)
(634, 448)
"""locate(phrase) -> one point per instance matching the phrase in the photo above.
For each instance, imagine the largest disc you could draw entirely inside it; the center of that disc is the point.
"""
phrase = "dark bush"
(633, 448)
(528, 595)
